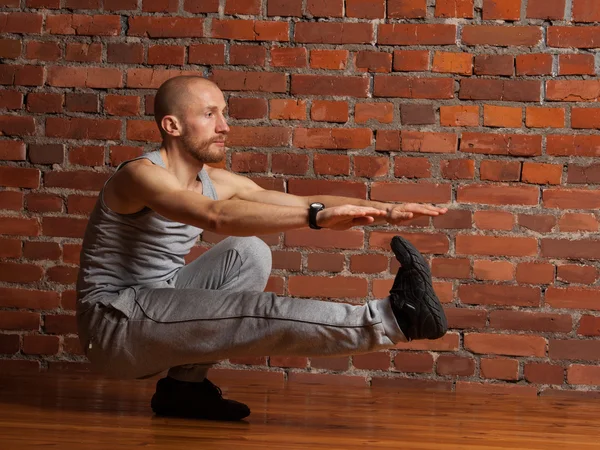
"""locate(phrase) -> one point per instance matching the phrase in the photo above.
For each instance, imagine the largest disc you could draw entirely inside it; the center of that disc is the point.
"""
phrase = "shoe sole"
(411, 259)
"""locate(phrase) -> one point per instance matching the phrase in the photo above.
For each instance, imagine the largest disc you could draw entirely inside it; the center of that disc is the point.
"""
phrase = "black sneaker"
(201, 400)
(416, 306)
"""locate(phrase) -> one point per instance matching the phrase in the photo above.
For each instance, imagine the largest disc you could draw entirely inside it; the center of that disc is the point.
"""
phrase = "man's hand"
(396, 214)
(348, 216)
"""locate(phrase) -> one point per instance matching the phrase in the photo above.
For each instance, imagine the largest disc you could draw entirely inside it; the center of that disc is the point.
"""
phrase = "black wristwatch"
(312, 214)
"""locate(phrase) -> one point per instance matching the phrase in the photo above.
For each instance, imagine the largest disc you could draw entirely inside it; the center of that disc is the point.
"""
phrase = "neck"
(181, 164)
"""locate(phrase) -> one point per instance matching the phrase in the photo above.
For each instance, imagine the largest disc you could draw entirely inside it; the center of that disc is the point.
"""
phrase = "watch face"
(316, 205)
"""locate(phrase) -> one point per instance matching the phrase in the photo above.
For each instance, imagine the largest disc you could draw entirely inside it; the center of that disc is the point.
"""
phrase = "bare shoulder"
(228, 184)
(123, 192)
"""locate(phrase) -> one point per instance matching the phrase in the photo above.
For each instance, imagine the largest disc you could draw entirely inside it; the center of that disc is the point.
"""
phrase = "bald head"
(176, 95)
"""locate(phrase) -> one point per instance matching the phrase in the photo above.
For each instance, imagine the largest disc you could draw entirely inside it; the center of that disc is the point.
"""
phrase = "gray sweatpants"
(215, 309)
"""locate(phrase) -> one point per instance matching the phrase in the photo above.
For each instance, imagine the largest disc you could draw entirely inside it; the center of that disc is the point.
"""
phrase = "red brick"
(76, 102)
(9, 344)
(372, 361)
(243, 7)
(92, 77)
(571, 198)
(11, 248)
(287, 260)
(19, 320)
(23, 177)
(166, 54)
(495, 294)
(83, 128)
(77, 179)
(288, 8)
(411, 87)
(505, 344)
(589, 326)
(248, 55)
(11, 200)
(122, 105)
(571, 273)
(495, 245)
(87, 155)
(537, 117)
(46, 153)
(60, 324)
(580, 374)
(16, 126)
(329, 85)
(580, 145)
(370, 166)
(498, 195)
(40, 345)
(421, 192)
(448, 343)
(326, 262)
(452, 62)
(333, 8)
(497, 89)
(426, 142)
(21, 22)
(348, 239)
(501, 9)
(501, 35)
(585, 11)
(332, 138)
(20, 273)
(373, 61)
(576, 64)
(387, 140)
(574, 349)
(502, 116)
(12, 150)
(41, 251)
(534, 64)
(328, 59)
(353, 189)
(64, 227)
(411, 60)
(411, 167)
(166, 27)
(43, 51)
(19, 75)
(288, 57)
(83, 52)
(502, 65)
(416, 34)
(333, 33)
(494, 220)
(250, 30)
(368, 263)
(451, 268)
(500, 170)
(459, 116)
(37, 202)
(11, 48)
(414, 362)
(121, 153)
(574, 222)
(365, 9)
(573, 298)
(406, 9)
(18, 226)
(249, 162)
(288, 361)
(62, 274)
(494, 270)
(259, 136)
(160, 5)
(454, 8)
(380, 112)
(10, 99)
(500, 368)
(327, 287)
(329, 111)
(50, 4)
(501, 144)
(546, 9)
(206, 54)
(128, 53)
(205, 6)
(71, 255)
(284, 109)
(573, 90)
(531, 321)
(83, 25)
(331, 164)
(543, 373)
(247, 108)
(249, 81)
(455, 365)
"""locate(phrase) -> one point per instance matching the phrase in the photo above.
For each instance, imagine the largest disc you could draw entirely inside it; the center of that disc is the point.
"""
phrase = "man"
(141, 311)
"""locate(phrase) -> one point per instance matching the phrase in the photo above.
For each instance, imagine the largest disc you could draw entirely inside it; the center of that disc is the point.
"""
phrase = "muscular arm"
(152, 186)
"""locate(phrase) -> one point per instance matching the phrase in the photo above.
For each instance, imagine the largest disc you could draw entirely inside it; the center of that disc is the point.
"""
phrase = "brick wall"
(484, 104)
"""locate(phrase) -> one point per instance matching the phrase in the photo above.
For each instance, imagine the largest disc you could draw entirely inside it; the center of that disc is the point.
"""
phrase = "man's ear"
(171, 125)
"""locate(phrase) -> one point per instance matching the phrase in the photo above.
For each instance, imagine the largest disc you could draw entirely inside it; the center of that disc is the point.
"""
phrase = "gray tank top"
(124, 250)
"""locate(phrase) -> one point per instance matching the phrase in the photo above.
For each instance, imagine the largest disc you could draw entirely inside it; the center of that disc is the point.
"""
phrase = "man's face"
(204, 126)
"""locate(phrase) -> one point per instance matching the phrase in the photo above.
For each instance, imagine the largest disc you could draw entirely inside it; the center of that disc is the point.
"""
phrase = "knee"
(256, 256)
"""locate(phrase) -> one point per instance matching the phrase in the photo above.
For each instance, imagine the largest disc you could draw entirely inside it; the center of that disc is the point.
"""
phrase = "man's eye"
(209, 114)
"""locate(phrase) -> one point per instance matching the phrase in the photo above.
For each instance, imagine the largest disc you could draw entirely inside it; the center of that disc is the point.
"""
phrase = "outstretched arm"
(244, 188)
(149, 185)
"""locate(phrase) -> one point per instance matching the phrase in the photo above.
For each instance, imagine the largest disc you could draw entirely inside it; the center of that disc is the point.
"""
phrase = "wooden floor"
(83, 412)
